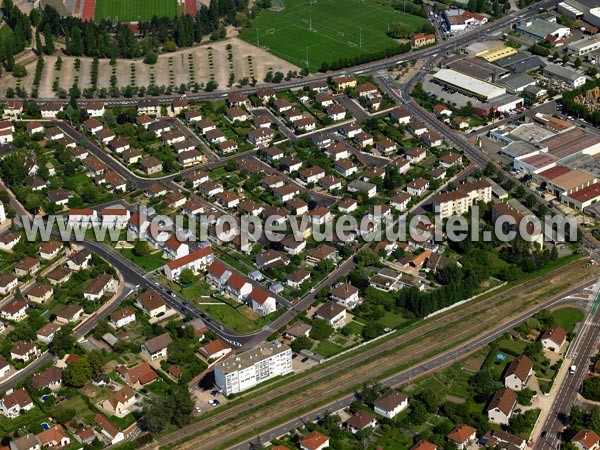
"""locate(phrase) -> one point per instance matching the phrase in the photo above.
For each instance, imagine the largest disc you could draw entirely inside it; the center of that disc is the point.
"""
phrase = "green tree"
(591, 389)
(63, 342)
(141, 248)
(78, 373)
(321, 330)
(577, 63)
(48, 40)
(301, 343)
(187, 276)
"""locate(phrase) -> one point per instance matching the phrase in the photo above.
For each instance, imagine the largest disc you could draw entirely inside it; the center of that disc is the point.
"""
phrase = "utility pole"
(307, 64)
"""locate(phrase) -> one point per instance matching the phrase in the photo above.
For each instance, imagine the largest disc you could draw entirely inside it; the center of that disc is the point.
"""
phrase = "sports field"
(134, 10)
(331, 29)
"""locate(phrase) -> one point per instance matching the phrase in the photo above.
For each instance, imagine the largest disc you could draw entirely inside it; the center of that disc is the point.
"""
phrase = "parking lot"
(207, 400)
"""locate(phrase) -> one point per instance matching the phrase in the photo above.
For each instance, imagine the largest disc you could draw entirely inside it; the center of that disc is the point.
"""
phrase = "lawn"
(327, 349)
(148, 263)
(567, 317)
(326, 29)
(31, 418)
(78, 404)
(134, 10)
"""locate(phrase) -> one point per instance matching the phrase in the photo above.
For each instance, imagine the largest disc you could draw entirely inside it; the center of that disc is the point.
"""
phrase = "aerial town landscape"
(300, 224)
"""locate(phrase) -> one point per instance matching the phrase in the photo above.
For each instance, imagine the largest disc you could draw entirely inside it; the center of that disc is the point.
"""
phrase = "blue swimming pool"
(44, 397)
(45, 426)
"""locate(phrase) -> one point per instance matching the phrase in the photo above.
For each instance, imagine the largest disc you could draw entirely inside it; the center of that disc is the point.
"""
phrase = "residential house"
(9, 240)
(122, 317)
(217, 274)
(333, 313)
(152, 304)
(586, 440)
(314, 441)
(400, 116)
(156, 348)
(271, 259)
(418, 186)
(47, 332)
(261, 302)
(297, 278)
(553, 338)
(214, 350)
(50, 249)
(40, 293)
(238, 287)
(24, 351)
(346, 295)
(391, 403)
(95, 109)
(15, 403)
(120, 403)
(70, 313)
(462, 436)
(8, 283)
(196, 261)
(173, 248)
(518, 373)
(59, 275)
(50, 378)
(400, 201)
(109, 430)
(27, 266)
(501, 406)
(101, 285)
(54, 438)
(80, 260)
(361, 421)
(150, 165)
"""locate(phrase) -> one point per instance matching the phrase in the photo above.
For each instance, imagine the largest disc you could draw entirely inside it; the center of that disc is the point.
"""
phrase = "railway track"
(277, 394)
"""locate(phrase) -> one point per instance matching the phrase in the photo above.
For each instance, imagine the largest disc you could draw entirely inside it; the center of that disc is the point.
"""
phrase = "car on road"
(214, 402)
(518, 411)
(544, 434)
(198, 409)
(572, 369)
(214, 392)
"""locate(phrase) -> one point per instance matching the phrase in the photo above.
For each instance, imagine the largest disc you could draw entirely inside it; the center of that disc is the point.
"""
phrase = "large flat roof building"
(588, 10)
(572, 77)
(584, 46)
(539, 29)
(468, 85)
(246, 370)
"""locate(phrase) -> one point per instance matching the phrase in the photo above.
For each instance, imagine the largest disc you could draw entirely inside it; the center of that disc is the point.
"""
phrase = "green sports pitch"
(134, 10)
(330, 29)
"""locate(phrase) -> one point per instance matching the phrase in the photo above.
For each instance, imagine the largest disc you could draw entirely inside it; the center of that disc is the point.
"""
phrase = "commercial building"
(496, 53)
(539, 29)
(584, 46)
(573, 78)
(588, 10)
(468, 85)
(251, 368)
(583, 198)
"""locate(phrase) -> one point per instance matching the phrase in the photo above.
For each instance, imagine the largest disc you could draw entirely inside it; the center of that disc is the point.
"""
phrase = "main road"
(382, 64)
(408, 375)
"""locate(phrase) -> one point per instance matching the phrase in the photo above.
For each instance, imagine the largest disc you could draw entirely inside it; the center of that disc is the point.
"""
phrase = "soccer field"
(134, 10)
(331, 29)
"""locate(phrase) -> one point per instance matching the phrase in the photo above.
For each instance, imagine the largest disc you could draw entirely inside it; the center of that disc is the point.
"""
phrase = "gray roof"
(251, 357)
(507, 61)
(539, 28)
(158, 343)
(527, 65)
(517, 81)
(564, 73)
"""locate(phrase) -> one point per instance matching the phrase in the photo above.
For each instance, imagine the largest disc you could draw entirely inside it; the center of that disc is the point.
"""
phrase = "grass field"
(134, 10)
(339, 27)
(567, 317)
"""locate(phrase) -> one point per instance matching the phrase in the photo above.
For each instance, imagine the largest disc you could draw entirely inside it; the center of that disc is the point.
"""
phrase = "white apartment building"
(246, 370)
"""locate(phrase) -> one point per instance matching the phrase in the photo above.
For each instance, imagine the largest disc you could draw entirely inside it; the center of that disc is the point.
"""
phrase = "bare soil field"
(181, 67)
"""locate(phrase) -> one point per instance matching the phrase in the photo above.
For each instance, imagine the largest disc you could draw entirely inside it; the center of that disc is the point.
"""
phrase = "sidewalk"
(545, 401)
